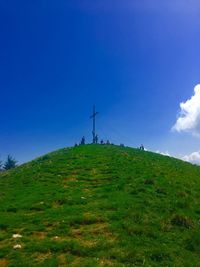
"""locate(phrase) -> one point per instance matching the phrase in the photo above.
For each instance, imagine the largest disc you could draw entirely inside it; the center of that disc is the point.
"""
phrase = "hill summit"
(100, 205)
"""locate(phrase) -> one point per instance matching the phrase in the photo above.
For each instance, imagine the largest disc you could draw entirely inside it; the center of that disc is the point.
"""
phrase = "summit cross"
(93, 116)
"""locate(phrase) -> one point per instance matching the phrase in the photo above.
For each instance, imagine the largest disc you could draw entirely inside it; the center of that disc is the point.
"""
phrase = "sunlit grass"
(100, 205)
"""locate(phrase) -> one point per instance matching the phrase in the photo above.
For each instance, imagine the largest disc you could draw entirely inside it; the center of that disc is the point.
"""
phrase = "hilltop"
(100, 205)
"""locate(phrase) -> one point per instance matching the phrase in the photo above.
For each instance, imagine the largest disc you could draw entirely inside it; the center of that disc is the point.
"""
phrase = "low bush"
(182, 221)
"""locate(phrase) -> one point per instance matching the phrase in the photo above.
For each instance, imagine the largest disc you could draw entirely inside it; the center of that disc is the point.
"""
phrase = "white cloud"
(166, 153)
(189, 116)
(194, 158)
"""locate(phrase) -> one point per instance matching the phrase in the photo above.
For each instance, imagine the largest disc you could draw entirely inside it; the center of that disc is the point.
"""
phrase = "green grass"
(101, 205)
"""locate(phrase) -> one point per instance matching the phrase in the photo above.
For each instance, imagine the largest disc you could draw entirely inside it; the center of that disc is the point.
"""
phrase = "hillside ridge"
(100, 205)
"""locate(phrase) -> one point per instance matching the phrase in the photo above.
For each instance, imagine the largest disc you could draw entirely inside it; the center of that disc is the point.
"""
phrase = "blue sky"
(136, 60)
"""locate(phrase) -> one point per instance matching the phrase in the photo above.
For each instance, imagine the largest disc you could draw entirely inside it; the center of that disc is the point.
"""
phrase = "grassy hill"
(99, 205)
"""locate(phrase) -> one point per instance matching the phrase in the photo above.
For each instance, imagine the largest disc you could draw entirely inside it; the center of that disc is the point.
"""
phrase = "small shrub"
(10, 163)
(161, 191)
(149, 181)
(36, 208)
(182, 221)
(12, 209)
(3, 226)
(89, 220)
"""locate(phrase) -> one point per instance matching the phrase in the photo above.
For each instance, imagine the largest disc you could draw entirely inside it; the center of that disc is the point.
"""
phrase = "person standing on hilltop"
(96, 139)
(83, 140)
(141, 147)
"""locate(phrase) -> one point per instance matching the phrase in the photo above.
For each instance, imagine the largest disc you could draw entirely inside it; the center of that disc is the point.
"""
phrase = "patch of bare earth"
(66, 181)
(95, 230)
(71, 178)
(62, 260)
(56, 205)
(40, 257)
(3, 262)
(50, 225)
(94, 171)
(39, 235)
(86, 190)
(105, 262)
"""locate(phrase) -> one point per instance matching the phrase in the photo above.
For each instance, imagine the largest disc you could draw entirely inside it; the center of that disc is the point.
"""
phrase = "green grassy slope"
(99, 205)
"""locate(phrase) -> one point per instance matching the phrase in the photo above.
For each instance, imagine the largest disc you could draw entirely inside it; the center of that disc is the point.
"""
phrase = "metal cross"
(93, 116)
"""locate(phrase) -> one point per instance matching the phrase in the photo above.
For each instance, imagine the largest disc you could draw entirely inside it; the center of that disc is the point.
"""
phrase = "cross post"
(93, 117)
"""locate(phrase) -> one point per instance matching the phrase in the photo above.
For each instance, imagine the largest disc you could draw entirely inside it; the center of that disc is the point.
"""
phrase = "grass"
(100, 205)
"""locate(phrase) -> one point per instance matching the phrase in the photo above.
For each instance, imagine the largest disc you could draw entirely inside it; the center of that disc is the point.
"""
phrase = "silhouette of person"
(141, 147)
(83, 140)
(96, 139)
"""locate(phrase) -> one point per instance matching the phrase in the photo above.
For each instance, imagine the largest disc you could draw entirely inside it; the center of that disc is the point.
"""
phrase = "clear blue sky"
(137, 60)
